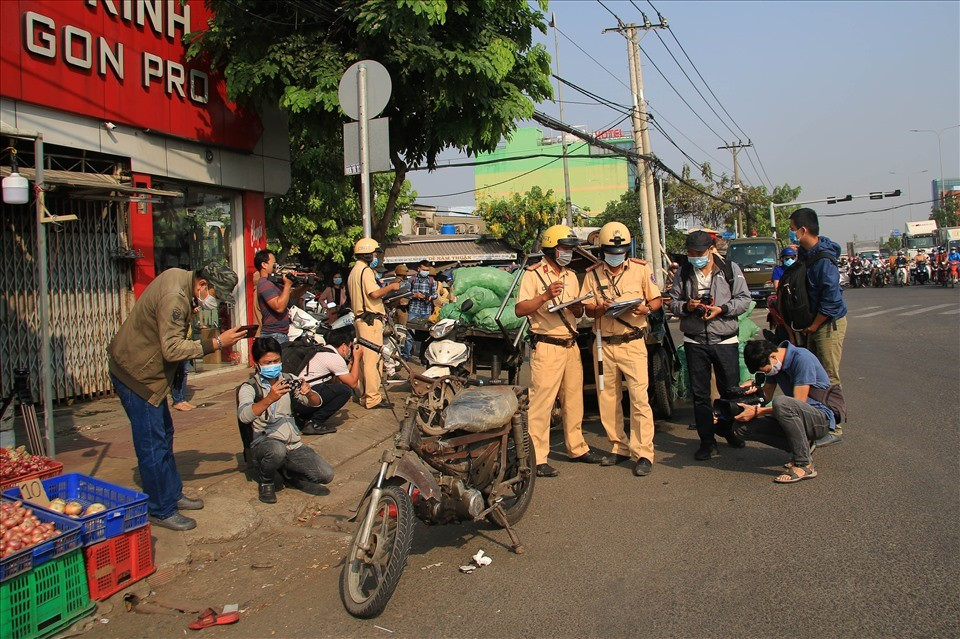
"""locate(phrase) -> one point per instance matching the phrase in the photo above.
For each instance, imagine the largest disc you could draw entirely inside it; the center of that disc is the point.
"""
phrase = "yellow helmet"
(558, 234)
(366, 245)
(615, 237)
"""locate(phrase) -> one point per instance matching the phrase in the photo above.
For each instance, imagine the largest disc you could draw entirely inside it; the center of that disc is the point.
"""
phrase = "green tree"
(520, 219)
(463, 71)
(947, 214)
(893, 243)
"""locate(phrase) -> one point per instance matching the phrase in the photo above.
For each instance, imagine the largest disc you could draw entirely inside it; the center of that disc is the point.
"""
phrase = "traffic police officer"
(555, 360)
(624, 350)
(366, 300)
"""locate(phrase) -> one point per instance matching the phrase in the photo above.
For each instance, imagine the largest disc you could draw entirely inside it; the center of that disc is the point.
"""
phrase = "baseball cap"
(222, 279)
(699, 241)
(789, 251)
(401, 270)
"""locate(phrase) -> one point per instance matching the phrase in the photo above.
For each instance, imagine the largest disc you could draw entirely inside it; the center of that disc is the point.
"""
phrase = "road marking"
(925, 310)
(889, 310)
(955, 311)
(869, 308)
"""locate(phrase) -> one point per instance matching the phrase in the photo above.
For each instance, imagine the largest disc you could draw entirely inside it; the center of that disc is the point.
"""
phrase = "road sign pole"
(364, 152)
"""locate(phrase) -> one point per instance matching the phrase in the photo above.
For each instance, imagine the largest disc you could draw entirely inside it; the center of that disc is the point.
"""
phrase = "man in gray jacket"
(708, 295)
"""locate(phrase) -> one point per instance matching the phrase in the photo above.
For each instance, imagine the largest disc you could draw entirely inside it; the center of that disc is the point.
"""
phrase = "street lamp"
(939, 155)
(909, 196)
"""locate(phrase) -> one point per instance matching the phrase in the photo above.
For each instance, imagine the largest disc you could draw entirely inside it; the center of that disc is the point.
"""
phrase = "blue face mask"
(793, 237)
(337, 281)
(614, 259)
(375, 262)
(789, 261)
(270, 371)
(699, 262)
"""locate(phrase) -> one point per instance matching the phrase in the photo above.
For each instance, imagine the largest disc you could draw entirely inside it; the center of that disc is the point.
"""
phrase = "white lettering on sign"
(256, 233)
(81, 49)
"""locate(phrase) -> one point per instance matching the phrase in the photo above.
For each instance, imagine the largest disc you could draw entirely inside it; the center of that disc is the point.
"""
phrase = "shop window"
(189, 232)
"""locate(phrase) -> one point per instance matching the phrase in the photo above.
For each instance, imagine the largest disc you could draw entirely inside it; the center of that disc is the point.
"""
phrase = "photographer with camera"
(333, 371)
(795, 419)
(264, 402)
(708, 295)
(273, 301)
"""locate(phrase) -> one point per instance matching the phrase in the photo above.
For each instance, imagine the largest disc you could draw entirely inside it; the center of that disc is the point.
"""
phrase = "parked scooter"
(480, 466)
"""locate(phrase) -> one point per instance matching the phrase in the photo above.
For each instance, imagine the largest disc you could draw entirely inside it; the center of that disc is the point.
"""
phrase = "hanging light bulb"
(16, 188)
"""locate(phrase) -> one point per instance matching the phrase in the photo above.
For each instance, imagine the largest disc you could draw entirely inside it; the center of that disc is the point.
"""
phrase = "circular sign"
(379, 87)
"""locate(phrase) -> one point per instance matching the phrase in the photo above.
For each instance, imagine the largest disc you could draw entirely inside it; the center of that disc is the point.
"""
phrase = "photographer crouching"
(708, 295)
(264, 402)
(795, 419)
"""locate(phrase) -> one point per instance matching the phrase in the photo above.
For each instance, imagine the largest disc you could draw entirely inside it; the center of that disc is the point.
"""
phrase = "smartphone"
(251, 330)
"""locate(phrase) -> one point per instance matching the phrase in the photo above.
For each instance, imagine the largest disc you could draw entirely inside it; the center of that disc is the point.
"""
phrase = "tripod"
(28, 412)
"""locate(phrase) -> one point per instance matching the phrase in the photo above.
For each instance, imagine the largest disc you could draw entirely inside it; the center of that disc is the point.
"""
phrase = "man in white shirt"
(331, 377)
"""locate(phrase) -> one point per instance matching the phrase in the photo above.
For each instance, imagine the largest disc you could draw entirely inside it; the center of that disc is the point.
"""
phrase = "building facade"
(145, 151)
(596, 176)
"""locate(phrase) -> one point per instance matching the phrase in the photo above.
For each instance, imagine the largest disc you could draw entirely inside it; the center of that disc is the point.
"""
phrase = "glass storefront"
(189, 232)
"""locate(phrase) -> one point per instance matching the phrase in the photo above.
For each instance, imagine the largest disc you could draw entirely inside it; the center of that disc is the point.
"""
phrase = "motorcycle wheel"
(517, 505)
(369, 578)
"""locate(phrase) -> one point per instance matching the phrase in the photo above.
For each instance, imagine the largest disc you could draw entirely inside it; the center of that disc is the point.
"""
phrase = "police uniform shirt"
(361, 283)
(536, 280)
(634, 280)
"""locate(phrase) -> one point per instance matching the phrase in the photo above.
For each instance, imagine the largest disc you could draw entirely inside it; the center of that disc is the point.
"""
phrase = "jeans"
(179, 393)
(283, 338)
(334, 395)
(793, 426)
(272, 455)
(408, 347)
(724, 361)
(152, 430)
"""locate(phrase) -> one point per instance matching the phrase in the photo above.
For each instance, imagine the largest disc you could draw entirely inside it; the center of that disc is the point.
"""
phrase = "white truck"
(949, 237)
(919, 235)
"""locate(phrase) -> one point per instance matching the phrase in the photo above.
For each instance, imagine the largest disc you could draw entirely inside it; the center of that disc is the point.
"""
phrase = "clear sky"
(827, 91)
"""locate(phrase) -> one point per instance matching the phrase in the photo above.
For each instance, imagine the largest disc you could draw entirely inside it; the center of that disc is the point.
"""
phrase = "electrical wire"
(597, 62)
(889, 208)
(615, 16)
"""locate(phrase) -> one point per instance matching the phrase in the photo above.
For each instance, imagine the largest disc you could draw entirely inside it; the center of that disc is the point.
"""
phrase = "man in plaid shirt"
(424, 289)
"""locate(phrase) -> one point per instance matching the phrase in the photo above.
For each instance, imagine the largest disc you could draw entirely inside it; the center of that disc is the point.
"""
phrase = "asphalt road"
(698, 549)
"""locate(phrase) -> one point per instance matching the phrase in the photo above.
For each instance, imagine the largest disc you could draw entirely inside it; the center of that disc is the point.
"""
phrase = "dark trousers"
(723, 360)
(793, 426)
(334, 395)
(152, 430)
(272, 455)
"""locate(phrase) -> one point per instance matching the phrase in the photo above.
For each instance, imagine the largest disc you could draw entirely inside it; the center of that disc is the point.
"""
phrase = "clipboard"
(560, 307)
(619, 308)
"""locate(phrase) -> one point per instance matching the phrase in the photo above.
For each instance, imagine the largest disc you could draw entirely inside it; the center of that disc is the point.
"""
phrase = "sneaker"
(186, 503)
(706, 451)
(176, 521)
(315, 428)
(827, 440)
(643, 468)
(267, 493)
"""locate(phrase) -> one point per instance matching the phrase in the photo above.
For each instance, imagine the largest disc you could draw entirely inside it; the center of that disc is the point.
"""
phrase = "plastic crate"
(126, 508)
(53, 471)
(116, 563)
(22, 561)
(45, 600)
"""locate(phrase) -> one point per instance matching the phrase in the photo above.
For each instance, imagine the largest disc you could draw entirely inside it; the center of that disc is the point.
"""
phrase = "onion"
(73, 508)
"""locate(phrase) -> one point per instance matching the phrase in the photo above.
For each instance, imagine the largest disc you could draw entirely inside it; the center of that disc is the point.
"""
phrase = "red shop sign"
(122, 61)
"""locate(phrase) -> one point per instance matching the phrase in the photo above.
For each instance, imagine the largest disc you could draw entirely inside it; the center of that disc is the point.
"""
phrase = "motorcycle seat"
(478, 410)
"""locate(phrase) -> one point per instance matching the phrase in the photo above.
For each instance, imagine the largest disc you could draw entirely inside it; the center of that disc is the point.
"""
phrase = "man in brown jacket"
(145, 358)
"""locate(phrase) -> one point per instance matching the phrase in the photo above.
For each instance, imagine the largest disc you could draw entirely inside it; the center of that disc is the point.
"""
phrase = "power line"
(615, 16)
(597, 62)
(889, 208)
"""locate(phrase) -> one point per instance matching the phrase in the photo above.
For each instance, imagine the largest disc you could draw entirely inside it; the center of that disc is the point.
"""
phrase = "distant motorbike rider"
(788, 255)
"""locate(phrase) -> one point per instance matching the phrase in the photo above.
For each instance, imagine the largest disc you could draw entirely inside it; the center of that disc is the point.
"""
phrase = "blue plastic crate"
(126, 508)
(29, 558)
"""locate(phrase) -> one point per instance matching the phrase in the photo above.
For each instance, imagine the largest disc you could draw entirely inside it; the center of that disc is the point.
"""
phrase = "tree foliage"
(520, 219)
(463, 71)
(948, 213)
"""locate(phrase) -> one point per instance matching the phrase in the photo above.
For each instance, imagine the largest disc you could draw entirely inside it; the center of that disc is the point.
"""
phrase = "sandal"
(795, 474)
(209, 618)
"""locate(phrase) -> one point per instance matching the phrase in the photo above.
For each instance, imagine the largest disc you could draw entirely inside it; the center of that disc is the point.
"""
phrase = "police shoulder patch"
(177, 315)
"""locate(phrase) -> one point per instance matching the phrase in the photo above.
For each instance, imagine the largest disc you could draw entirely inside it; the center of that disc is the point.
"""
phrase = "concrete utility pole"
(566, 169)
(735, 148)
(641, 136)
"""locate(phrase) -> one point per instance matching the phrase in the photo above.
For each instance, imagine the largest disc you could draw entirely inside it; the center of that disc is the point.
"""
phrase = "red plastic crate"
(54, 470)
(118, 562)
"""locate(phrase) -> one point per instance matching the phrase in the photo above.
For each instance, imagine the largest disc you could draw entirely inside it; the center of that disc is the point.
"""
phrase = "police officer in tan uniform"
(555, 360)
(366, 300)
(624, 350)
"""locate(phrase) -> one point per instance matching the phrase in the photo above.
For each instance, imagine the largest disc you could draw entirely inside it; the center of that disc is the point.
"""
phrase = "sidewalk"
(94, 438)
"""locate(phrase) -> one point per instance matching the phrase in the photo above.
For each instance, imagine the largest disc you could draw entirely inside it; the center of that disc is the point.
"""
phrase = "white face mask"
(614, 259)
(775, 366)
(209, 303)
(563, 257)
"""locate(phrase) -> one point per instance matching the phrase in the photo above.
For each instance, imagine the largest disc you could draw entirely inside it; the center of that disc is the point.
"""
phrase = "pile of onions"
(21, 529)
(18, 462)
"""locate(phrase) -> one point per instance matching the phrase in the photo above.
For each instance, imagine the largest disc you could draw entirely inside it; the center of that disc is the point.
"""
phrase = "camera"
(729, 407)
(295, 274)
(705, 300)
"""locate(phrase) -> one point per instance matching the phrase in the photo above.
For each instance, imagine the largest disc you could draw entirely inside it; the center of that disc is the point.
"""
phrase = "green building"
(596, 176)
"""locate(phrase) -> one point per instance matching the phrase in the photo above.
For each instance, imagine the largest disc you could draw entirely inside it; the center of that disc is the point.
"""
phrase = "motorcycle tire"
(661, 381)
(517, 506)
(392, 537)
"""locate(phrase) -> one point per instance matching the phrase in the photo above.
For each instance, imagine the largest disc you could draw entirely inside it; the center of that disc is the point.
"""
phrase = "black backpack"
(297, 353)
(792, 295)
(686, 273)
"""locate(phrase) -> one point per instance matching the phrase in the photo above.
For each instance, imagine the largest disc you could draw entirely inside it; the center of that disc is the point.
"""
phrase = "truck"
(919, 235)
(757, 257)
(948, 236)
(864, 249)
